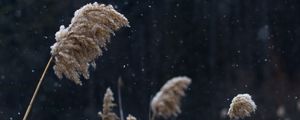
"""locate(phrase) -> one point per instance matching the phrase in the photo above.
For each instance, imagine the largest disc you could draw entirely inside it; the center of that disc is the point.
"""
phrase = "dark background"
(226, 46)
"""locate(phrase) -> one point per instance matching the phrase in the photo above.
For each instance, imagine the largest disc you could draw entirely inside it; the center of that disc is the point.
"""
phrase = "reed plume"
(78, 45)
(166, 102)
(107, 112)
(130, 117)
(241, 106)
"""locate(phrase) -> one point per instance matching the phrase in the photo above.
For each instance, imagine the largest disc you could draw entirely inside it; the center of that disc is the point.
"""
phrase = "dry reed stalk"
(120, 84)
(37, 89)
(166, 102)
(241, 106)
(107, 112)
(78, 45)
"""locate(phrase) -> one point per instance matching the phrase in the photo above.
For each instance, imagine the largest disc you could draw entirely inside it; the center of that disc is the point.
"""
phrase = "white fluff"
(241, 106)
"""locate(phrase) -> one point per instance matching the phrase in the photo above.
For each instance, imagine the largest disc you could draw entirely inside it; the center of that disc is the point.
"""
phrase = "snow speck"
(133, 75)
(2, 77)
(263, 33)
(116, 7)
(56, 84)
(281, 111)
(235, 65)
(181, 41)
(298, 105)
(18, 13)
(125, 65)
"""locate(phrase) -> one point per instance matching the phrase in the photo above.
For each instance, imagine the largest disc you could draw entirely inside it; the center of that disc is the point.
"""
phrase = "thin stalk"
(37, 89)
(120, 84)
(149, 113)
(153, 116)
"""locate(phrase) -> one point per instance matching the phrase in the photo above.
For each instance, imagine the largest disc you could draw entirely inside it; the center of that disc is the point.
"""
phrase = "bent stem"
(37, 89)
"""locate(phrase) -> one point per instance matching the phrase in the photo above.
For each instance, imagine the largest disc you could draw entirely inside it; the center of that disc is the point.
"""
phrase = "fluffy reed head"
(78, 45)
(241, 106)
(166, 102)
(107, 112)
(130, 117)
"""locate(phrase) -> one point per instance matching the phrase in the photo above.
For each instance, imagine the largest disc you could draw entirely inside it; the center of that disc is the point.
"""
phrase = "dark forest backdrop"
(226, 46)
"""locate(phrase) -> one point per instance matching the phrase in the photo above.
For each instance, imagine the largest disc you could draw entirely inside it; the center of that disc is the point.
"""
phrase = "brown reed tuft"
(107, 112)
(241, 106)
(166, 102)
(78, 45)
(130, 117)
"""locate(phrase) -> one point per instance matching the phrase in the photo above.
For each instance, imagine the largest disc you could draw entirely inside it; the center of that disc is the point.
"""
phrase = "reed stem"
(120, 84)
(37, 89)
(153, 116)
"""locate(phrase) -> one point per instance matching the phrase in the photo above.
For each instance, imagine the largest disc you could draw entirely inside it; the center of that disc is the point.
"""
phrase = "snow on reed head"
(78, 45)
(241, 106)
(166, 102)
(107, 112)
